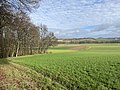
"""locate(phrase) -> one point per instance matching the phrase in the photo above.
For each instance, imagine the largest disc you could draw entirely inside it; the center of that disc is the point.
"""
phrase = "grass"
(18, 77)
(59, 51)
(93, 68)
(4, 61)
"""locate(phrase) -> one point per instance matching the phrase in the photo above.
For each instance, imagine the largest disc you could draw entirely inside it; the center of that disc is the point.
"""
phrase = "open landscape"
(59, 44)
(67, 67)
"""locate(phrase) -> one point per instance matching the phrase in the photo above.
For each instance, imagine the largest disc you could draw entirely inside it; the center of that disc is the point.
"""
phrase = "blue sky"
(79, 18)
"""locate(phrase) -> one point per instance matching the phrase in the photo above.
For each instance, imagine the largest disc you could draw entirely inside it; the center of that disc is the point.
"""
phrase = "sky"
(79, 18)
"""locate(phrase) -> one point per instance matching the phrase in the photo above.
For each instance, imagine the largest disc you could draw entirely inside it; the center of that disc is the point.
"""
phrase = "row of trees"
(18, 35)
(88, 40)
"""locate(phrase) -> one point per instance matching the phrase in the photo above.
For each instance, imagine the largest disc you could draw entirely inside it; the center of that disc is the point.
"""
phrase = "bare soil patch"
(79, 47)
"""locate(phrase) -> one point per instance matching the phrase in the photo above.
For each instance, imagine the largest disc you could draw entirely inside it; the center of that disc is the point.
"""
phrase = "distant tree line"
(88, 40)
(18, 35)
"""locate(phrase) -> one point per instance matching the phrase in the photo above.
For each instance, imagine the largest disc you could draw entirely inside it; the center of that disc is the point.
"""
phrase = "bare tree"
(18, 35)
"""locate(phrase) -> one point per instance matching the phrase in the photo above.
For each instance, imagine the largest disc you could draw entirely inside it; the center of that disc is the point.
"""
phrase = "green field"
(93, 67)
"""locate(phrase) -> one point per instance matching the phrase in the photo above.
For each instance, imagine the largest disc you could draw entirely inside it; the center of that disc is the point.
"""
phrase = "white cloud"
(70, 14)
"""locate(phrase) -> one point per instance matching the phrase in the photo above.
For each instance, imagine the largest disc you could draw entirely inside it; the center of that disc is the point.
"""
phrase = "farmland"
(76, 67)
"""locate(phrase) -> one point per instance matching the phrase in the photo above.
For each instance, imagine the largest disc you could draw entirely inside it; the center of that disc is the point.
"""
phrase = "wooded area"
(18, 35)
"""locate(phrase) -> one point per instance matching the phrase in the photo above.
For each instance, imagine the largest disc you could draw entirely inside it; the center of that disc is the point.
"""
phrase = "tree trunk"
(31, 50)
(13, 51)
(17, 49)
(1, 43)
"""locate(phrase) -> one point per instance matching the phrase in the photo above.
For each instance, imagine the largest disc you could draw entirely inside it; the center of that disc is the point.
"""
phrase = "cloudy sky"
(79, 18)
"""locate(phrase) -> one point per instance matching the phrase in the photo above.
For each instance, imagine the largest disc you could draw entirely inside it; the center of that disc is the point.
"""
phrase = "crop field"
(77, 67)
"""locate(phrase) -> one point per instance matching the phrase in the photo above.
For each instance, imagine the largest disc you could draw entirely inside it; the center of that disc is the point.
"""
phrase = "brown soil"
(78, 47)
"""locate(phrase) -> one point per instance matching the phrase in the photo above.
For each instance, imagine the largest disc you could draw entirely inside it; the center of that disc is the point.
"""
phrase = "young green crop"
(94, 68)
